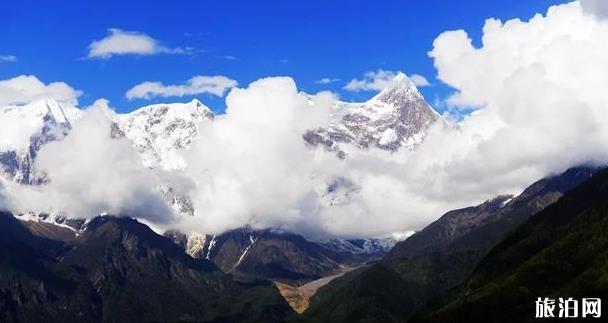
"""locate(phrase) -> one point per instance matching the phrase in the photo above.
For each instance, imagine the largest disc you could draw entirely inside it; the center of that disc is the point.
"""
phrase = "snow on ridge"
(160, 131)
(395, 118)
(18, 123)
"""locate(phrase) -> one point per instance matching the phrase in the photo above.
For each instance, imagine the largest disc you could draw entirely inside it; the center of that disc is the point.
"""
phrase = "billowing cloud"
(8, 58)
(102, 103)
(90, 172)
(599, 8)
(200, 84)
(27, 88)
(121, 42)
(540, 100)
(380, 79)
(251, 165)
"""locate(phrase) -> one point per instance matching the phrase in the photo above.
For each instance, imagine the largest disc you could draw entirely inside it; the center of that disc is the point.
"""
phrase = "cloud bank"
(121, 42)
(216, 85)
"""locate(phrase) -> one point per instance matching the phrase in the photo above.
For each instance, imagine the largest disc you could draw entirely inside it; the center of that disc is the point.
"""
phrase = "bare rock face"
(396, 118)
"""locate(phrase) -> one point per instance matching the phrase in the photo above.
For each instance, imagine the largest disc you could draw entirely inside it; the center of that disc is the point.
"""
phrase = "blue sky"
(243, 40)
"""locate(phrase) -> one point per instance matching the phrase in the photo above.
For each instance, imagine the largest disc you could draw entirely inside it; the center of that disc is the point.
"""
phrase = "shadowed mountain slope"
(437, 259)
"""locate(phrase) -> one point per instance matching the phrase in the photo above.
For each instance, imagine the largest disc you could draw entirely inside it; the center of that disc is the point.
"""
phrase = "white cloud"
(27, 88)
(419, 80)
(121, 42)
(216, 85)
(102, 103)
(251, 165)
(380, 79)
(599, 8)
(91, 173)
(8, 58)
(327, 80)
(540, 97)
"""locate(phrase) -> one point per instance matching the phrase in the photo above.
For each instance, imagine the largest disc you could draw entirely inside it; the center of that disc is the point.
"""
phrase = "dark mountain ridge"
(120, 270)
(559, 252)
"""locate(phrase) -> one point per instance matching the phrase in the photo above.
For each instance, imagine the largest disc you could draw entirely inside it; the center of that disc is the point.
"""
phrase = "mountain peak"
(197, 103)
(400, 77)
(34, 119)
(401, 87)
(43, 109)
(160, 131)
(395, 118)
(195, 107)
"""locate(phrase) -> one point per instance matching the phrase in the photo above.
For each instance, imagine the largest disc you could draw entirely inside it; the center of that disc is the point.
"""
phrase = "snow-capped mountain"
(24, 129)
(372, 247)
(159, 132)
(395, 118)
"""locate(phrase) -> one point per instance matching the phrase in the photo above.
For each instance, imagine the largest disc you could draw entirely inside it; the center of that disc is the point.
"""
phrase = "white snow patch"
(211, 245)
(388, 136)
(252, 240)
